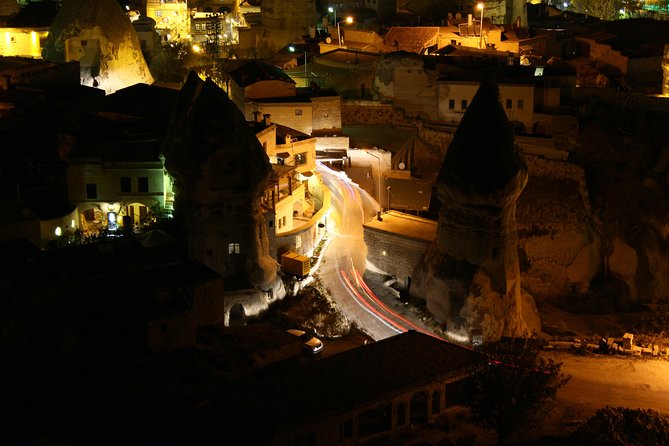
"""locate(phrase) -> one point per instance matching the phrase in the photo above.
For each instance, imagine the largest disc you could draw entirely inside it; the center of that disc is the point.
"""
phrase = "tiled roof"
(256, 71)
(410, 38)
(341, 382)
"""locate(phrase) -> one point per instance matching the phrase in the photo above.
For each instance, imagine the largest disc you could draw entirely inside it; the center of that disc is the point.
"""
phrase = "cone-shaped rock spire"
(482, 157)
(470, 277)
(99, 35)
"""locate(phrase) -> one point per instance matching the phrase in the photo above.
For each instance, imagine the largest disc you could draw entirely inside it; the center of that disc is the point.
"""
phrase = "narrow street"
(344, 263)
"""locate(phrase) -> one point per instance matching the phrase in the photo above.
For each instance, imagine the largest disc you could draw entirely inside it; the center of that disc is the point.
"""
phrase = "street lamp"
(292, 50)
(334, 11)
(347, 20)
(378, 159)
(480, 6)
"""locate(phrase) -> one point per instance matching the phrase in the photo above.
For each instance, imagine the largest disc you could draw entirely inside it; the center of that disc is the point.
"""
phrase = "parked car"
(311, 344)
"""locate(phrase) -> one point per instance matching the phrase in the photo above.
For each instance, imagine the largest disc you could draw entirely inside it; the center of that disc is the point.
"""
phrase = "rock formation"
(99, 35)
(470, 277)
(220, 171)
(282, 22)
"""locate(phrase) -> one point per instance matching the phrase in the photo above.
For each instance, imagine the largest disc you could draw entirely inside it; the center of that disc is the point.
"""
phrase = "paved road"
(345, 257)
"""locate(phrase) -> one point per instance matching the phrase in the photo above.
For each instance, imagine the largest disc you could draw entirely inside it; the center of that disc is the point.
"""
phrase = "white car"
(311, 345)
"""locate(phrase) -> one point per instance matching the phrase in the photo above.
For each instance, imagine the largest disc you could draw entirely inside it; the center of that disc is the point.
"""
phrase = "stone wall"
(395, 254)
(326, 113)
(558, 244)
(369, 112)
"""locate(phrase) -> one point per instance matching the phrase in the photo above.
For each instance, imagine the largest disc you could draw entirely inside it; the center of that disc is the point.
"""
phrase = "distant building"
(268, 90)
(172, 18)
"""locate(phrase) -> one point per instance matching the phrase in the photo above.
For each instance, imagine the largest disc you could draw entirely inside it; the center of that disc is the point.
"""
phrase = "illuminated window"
(383, 253)
(298, 112)
(126, 186)
(283, 221)
(463, 104)
(159, 13)
(143, 184)
(300, 158)
(233, 248)
(509, 103)
(91, 191)
(520, 104)
(451, 104)
(58, 231)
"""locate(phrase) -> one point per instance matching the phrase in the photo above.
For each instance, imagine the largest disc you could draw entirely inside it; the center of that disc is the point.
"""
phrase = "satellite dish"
(401, 166)
(328, 40)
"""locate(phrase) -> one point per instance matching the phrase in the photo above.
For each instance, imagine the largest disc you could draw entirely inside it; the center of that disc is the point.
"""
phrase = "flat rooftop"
(405, 224)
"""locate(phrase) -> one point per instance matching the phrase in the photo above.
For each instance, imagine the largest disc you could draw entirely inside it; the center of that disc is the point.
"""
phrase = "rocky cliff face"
(282, 22)
(98, 34)
(220, 170)
(559, 243)
(470, 277)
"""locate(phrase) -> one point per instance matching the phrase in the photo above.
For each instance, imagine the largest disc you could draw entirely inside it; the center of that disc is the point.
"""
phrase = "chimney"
(518, 22)
(256, 116)
(470, 20)
(266, 119)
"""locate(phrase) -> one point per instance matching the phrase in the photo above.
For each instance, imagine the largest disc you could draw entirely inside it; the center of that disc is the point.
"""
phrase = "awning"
(307, 174)
(283, 155)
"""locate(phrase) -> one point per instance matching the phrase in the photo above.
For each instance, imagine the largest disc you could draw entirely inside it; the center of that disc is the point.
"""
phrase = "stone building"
(396, 243)
(258, 87)
(470, 277)
(372, 394)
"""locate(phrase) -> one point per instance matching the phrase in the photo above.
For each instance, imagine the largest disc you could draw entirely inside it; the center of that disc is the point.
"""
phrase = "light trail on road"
(346, 256)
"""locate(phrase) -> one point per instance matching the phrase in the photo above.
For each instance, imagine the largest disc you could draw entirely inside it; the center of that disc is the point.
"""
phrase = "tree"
(604, 9)
(621, 425)
(513, 388)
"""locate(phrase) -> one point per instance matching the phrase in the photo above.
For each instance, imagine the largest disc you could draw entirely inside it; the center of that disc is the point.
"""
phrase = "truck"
(295, 264)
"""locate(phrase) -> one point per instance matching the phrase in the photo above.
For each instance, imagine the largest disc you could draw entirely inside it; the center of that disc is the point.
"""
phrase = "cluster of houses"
(89, 163)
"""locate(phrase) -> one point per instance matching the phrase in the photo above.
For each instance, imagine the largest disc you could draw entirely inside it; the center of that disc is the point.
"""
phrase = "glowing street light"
(292, 50)
(480, 6)
(347, 20)
(334, 11)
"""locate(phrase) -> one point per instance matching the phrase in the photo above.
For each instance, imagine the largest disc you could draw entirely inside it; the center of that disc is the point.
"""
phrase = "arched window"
(419, 408)
(401, 414)
(436, 402)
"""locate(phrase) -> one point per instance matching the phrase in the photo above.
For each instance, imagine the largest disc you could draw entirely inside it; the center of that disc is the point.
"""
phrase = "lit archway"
(237, 316)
